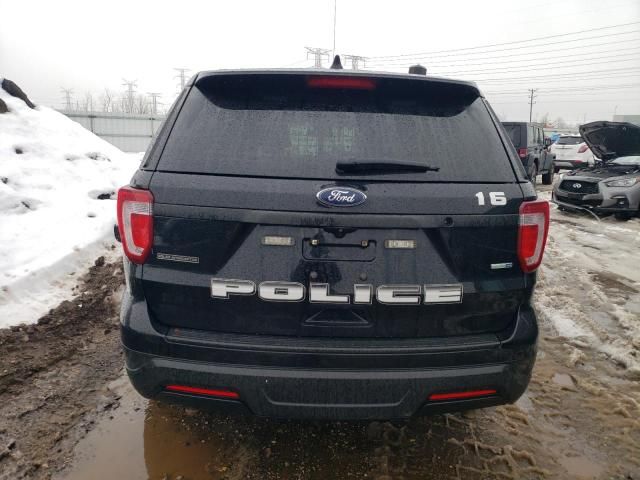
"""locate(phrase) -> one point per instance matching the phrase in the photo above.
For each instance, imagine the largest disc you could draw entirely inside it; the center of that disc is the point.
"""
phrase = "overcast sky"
(88, 45)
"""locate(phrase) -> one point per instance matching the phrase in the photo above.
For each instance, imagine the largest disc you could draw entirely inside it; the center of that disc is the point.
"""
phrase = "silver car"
(612, 185)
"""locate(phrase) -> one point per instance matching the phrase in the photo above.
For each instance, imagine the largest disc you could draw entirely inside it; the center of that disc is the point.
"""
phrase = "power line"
(182, 76)
(496, 60)
(508, 43)
(318, 55)
(573, 75)
(562, 64)
(355, 61)
(568, 90)
(131, 86)
(553, 100)
(67, 95)
(154, 101)
(413, 59)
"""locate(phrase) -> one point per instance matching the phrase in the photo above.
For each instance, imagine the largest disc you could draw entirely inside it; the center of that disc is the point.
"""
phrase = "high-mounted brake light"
(135, 222)
(532, 233)
(209, 392)
(349, 83)
(583, 148)
(434, 397)
(522, 152)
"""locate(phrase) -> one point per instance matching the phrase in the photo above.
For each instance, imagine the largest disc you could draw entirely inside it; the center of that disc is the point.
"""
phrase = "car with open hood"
(612, 185)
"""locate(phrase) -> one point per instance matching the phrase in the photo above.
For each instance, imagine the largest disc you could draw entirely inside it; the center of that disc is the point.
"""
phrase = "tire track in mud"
(53, 376)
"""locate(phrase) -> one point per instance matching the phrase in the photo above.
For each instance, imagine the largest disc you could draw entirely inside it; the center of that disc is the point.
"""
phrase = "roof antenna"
(417, 70)
(336, 65)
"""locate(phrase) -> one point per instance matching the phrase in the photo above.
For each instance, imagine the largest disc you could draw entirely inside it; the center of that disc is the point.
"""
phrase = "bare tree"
(106, 99)
(141, 104)
(87, 102)
(544, 120)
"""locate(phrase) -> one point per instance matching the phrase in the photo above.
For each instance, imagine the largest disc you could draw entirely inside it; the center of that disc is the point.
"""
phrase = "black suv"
(532, 148)
(330, 245)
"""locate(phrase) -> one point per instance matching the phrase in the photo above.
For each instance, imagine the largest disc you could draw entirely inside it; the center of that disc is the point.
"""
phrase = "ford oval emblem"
(341, 197)
(577, 186)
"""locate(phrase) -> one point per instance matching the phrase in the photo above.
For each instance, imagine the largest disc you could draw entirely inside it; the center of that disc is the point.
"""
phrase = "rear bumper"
(570, 164)
(327, 378)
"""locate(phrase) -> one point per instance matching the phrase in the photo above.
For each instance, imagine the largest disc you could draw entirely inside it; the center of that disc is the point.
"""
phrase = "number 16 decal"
(495, 198)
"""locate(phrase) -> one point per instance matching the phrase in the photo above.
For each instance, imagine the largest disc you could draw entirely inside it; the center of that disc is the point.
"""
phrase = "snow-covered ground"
(52, 223)
(589, 286)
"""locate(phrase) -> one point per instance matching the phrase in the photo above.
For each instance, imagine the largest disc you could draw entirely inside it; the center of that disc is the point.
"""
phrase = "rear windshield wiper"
(376, 166)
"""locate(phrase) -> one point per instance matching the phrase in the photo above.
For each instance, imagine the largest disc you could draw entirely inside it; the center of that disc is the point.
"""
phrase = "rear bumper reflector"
(435, 397)
(203, 391)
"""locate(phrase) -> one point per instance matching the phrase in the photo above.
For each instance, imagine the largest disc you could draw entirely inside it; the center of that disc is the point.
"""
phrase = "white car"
(571, 152)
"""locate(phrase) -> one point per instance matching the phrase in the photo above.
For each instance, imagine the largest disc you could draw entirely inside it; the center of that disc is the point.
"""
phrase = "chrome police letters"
(321, 292)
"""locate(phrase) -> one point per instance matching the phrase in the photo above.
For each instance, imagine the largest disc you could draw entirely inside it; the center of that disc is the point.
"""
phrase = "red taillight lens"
(522, 152)
(532, 233)
(350, 83)
(135, 222)
(583, 148)
(461, 395)
(209, 392)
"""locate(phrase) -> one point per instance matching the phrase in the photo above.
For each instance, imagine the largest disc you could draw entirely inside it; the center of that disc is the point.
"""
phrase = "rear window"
(514, 132)
(276, 125)
(569, 141)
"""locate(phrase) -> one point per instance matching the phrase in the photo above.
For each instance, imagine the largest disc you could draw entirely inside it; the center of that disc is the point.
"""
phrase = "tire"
(534, 174)
(547, 178)
(622, 216)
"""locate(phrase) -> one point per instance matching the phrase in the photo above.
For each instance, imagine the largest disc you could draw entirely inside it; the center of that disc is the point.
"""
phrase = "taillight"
(135, 222)
(522, 152)
(435, 397)
(583, 148)
(532, 233)
(351, 83)
(219, 393)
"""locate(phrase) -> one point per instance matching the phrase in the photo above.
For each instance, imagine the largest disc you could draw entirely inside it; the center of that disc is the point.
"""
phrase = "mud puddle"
(570, 424)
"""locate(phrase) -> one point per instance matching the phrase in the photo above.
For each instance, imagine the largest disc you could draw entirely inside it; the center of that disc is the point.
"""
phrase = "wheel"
(534, 174)
(547, 178)
(622, 216)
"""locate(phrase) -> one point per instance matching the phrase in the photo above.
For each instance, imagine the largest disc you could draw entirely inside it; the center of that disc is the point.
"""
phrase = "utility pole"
(532, 95)
(355, 61)
(67, 96)
(131, 86)
(318, 54)
(182, 76)
(154, 102)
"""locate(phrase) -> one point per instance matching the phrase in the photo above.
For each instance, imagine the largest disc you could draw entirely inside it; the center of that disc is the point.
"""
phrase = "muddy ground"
(68, 412)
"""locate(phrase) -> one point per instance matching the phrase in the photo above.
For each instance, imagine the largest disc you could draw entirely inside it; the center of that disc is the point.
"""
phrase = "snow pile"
(56, 210)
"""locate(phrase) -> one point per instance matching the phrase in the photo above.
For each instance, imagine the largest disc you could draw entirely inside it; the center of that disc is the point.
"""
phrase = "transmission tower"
(154, 101)
(318, 55)
(532, 96)
(131, 86)
(67, 97)
(355, 61)
(182, 76)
